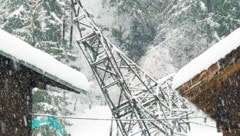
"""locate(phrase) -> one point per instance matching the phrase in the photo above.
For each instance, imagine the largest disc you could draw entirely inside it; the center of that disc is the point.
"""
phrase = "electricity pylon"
(141, 105)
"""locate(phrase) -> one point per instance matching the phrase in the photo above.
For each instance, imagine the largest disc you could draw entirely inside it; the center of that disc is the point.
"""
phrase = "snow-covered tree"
(136, 24)
(227, 14)
(188, 28)
(43, 24)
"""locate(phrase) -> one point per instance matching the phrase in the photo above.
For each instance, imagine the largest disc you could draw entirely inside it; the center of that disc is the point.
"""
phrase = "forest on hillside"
(167, 34)
(160, 35)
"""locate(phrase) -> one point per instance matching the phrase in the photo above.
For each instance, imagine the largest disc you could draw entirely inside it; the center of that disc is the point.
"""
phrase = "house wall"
(216, 91)
(15, 100)
(232, 133)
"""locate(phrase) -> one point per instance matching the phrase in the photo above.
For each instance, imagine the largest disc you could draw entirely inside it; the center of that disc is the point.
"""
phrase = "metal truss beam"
(130, 92)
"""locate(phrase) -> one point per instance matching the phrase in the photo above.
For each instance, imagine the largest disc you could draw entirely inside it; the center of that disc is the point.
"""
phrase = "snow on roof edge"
(206, 59)
(165, 78)
(41, 62)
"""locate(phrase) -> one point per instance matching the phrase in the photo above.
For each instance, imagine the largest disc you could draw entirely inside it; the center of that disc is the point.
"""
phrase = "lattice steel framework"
(129, 91)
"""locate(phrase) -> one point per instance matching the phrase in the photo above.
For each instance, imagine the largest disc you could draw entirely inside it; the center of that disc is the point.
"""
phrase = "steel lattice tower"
(129, 91)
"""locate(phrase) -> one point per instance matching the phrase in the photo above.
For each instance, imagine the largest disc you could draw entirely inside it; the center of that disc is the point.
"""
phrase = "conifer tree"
(142, 17)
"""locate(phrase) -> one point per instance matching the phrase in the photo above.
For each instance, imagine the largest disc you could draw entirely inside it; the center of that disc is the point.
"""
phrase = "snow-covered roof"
(206, 59)
(165, 79)
(41, 62)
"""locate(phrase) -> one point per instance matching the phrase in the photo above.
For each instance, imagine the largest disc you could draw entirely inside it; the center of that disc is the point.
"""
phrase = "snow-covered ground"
(201, 128)
(102, 128)
(92, 127)
(204, 126)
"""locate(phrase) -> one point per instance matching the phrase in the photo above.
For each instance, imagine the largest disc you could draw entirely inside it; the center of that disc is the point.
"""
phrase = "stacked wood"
(216, 91)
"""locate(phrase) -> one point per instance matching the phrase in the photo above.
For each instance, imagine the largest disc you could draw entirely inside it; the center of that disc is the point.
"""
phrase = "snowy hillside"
(157, 62)
(102, 14)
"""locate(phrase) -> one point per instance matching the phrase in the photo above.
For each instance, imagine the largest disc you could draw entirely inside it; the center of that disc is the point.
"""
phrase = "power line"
(202, 124)
(112, 119)
(107, 119)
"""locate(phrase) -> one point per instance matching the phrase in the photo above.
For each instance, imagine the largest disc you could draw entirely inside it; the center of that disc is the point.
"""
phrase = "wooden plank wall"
(216, 91)
(15, 100)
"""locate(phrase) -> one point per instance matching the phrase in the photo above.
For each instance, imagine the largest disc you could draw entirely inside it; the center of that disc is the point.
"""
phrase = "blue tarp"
(49, 121)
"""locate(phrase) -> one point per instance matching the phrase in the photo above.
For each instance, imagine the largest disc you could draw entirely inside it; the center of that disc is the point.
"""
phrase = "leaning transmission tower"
(141, 105)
